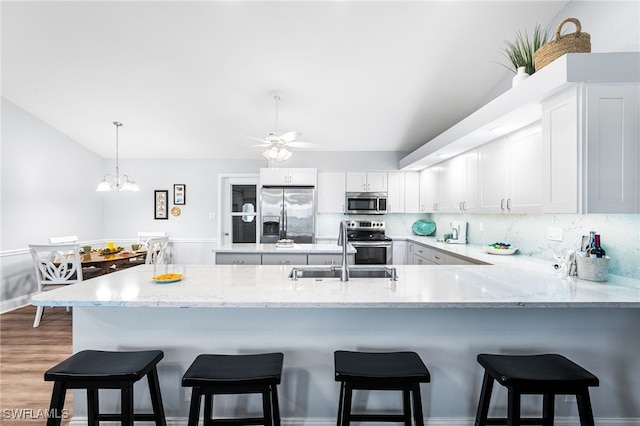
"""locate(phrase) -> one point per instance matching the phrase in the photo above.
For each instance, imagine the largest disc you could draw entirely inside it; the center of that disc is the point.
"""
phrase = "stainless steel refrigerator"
(287, 213)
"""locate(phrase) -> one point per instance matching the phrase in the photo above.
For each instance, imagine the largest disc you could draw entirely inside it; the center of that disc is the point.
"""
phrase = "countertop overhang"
(244, 286)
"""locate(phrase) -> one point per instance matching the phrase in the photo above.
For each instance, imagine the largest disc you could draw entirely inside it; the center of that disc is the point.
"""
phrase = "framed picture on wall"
(161, 206)
(179, 194)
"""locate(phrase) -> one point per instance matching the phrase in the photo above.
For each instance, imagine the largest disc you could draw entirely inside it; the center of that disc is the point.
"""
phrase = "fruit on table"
(107, 250)
(503, 246)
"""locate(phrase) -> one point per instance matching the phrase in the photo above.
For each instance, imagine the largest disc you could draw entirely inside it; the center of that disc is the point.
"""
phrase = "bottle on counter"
(592, 242)
(597, 250)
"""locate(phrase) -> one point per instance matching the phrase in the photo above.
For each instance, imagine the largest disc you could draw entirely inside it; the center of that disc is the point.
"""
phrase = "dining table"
(109, 262)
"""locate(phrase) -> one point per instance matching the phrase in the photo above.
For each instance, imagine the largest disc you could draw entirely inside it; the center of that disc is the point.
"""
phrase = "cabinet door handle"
(460, 206)
(509, 204)
(238, 261)
(502, 204)
(283, 261)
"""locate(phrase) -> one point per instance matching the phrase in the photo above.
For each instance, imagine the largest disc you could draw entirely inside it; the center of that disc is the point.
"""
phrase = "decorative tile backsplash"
(620, 233)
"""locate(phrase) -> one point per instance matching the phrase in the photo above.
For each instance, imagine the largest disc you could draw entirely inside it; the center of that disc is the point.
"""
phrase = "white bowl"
(491, 250)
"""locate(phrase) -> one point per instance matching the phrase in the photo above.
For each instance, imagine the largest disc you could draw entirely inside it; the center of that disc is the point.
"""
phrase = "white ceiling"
(187, 78)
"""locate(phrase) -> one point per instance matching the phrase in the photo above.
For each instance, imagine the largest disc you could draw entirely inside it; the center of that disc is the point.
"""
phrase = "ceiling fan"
(276, 142)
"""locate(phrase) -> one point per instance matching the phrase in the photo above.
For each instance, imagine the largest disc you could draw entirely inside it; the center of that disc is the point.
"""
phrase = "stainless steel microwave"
(366, 203)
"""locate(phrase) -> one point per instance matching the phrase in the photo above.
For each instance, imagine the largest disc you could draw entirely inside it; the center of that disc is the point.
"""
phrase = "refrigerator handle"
(284, 220)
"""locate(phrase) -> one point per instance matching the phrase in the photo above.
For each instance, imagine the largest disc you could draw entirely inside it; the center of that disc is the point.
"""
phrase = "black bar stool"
(94, 370)
(211, 375)
(401, 371)
(546, 374)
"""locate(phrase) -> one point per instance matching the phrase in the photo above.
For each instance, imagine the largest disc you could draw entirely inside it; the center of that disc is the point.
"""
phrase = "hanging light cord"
(118, 125)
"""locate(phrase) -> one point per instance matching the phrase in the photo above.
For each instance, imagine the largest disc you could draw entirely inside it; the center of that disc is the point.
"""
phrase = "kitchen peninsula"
(448, 314)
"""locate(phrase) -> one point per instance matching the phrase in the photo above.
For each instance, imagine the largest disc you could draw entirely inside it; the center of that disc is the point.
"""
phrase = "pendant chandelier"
(117, 182)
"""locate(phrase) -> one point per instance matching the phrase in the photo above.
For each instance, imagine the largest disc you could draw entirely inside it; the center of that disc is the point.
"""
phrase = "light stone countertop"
(272, 248)
(438, 286)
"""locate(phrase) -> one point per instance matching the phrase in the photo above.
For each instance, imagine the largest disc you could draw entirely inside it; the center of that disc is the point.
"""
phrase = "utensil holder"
(592, 268)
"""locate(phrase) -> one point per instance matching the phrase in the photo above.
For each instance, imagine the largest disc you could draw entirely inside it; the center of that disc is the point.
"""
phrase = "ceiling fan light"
(283, 154)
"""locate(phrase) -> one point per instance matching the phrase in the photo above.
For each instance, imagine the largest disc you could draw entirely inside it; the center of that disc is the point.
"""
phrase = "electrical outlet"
(554, 234)
(187, 394)
(481, 227)
(212, 216)
(569, 398)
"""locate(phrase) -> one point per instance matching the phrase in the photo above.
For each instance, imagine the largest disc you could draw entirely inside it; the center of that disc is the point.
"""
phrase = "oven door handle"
(371, 243)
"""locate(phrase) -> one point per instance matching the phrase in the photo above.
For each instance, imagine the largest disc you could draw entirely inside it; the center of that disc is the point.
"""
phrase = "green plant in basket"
(520, 51)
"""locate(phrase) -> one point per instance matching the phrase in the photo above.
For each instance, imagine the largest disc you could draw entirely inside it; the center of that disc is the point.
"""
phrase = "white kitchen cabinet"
(396, 192)
(288, 176)
(367, 181)
(412, 192)
(509, 173)
(611, 179)
(331, 192)
(399, 252)
(436, 189)
(598, 125)
(560, 156)
(429, 190)
(464, 175)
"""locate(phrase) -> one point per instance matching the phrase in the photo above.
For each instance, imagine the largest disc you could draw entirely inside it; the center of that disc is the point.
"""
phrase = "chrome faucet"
(342, 241)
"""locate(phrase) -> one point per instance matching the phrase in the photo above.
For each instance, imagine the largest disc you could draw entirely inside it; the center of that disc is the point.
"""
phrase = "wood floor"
(25, 354)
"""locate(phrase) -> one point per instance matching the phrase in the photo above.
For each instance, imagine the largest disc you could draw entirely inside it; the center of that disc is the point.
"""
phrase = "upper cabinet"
(591, 154)
(464, 175)
(509, 173)
(403, 188)
(367, 182)
(331, 192)
(288, 177)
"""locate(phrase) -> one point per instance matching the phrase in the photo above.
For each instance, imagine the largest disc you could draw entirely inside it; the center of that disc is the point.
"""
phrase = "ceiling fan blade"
(261, 144)
(289, 136)
(302, 144)
(254, 139)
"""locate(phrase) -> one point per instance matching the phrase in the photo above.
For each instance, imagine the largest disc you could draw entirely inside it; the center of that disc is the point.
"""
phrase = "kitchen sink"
(354, 272)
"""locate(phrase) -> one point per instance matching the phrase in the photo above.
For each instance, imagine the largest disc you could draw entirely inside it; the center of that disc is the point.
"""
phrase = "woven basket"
(577, 42)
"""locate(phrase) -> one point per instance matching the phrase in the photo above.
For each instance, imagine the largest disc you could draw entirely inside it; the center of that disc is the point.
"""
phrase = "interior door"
(239, 210)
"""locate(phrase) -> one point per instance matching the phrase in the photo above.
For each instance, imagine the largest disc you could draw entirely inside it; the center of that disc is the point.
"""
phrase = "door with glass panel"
(240, 204)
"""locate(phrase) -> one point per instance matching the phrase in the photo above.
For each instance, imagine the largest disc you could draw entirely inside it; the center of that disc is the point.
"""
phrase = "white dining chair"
(55, 264)
(157, 251)
(144, 237)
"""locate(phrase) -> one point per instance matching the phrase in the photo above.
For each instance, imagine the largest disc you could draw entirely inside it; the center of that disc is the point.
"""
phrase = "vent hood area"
(521, 105)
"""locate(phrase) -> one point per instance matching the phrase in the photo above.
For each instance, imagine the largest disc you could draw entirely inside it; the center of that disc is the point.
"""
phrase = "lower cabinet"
(400, 253)
(418, 254)
(282, 259)
(329, 259)
(238, 259)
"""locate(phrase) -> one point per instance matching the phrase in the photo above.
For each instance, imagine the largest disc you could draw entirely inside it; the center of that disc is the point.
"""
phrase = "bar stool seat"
(545, 374)
(211, 374)
(401, 371)
(93, 370)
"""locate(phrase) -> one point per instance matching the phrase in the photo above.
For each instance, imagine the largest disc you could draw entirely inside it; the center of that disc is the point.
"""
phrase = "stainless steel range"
(372, 246)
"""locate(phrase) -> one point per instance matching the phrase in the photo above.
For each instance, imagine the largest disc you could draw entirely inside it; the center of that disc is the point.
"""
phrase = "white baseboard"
(18, 302)
(442, 421)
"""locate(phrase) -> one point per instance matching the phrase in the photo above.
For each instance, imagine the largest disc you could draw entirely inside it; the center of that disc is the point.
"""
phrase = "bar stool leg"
(126, 405)
(417, 405)
(406, 406)
(513, 408)
(156, 398)
(57, 403)
(548, 408)
(93, 407)
(266, 408)
(346, 408)
(485, 399)
(340, 404)
(584, 408)
(208, 410)
(194, 407)
(275, 405)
